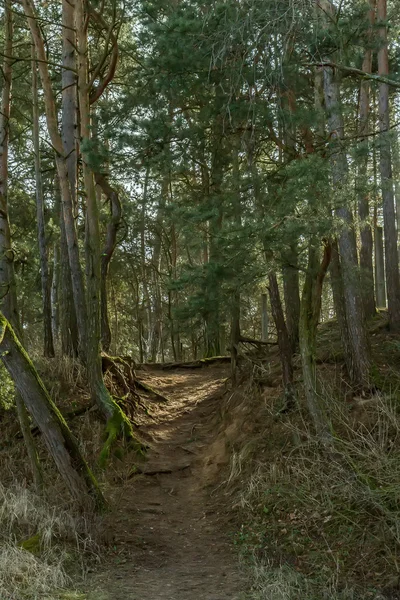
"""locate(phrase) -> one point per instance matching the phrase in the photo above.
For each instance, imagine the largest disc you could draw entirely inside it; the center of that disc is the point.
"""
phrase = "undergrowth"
(38, 545)
(319, 523)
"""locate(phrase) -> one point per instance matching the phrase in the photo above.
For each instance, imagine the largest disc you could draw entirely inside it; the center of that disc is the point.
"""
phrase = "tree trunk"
(389, 215)
(237, 216)
(48, 346)
(33, 456)
(359, 359)
(117, 422)
(292, 295)
(380, 283)
(310, 309)
(67, 315)
(338, 302)
(55, 288)
(8, 293)
(57, 436)
(284, 344)
(264, 318)
(8, 288)
(69, 97)
(69, 330)
(107, 253)
(366, 252)
(62, 169)
(146, 304)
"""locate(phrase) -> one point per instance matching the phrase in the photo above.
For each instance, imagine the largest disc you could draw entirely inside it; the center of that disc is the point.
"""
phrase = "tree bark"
(284, 344)
(8, 295)
(62, 169)
(8, 288)
(107, 253)
(292, 295)
(57, 436)
(31, 450)
(380, 283)
(237, 216)
(70, 335)
(117, 422)
(359, 359)
(48, 346)
(389, 215)
(366, 252)
(310, 310)
(264, 318)
(55, 298)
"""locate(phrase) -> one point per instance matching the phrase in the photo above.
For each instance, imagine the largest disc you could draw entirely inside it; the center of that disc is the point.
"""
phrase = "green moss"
(32, 544)
(118, 426)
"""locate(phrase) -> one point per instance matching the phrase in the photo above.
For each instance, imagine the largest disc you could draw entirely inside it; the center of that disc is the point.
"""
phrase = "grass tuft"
(38, 543)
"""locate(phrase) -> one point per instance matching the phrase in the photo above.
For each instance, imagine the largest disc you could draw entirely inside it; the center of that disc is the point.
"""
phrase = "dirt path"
(171, 539)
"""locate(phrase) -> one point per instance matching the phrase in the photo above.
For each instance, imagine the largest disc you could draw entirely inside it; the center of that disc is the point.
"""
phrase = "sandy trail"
(171, 537)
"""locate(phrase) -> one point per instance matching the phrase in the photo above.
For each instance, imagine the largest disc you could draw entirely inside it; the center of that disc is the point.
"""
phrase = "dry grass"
(38, 545)
(321, 523)
(64, 377)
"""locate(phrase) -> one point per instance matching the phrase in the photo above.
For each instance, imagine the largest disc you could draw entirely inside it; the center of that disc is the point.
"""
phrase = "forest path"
(172, 541)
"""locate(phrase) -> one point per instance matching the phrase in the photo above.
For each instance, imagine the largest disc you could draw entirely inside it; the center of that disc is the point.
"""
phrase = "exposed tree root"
(119, 425)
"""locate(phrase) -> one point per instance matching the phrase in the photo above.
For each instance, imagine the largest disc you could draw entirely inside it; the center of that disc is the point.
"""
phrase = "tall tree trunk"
(310, 310)
(389, 215)
(264, 318)
(359, 359)
(366, 252)
(67, 324)
(48, 346)
(8, 289)
(338, 302)
(237, 217)
(290, 273)
(291, 294)
(284, 344)
(55, 288)
(8, 294)
(146, 318)
(155, 273)
(108, 252)
(62, 169)
(380, 283)
(215, 199)
(117, 422)
(70, 337)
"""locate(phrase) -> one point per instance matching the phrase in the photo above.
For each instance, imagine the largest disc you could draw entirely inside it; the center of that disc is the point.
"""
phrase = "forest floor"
(172, 538)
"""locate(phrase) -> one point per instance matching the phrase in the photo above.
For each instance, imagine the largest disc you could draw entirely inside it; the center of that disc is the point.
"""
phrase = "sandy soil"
(171, 535)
